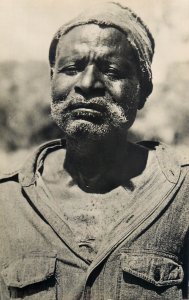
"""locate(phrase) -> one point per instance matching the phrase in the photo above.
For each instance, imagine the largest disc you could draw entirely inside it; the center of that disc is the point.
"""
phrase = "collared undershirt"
(89, 216)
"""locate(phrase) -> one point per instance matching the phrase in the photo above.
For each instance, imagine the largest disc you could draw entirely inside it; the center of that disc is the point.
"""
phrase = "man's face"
(95, 84)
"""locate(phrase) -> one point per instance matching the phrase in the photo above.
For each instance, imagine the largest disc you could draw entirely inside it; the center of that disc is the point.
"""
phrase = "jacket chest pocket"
(32, 277)
(150, 276)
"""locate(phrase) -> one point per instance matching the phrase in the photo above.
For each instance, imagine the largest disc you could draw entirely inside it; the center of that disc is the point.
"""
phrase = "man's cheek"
(115, 90)
(59, 90)
(66, 82)
(129, 98)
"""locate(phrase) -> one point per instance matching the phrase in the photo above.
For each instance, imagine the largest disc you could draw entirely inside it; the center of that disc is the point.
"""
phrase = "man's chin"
(84, 129)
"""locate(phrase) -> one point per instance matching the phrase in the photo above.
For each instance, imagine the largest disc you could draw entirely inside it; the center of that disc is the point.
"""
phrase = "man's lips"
(86, 111)
(86, 107)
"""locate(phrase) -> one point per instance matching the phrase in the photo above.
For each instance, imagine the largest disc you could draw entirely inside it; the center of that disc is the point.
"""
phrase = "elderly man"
(94, 216)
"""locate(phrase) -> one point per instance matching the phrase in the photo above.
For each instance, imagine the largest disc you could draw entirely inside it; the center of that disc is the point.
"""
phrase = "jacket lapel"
(147, 204)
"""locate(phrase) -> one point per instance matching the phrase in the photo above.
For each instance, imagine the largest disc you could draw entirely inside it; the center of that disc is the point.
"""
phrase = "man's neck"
(100, 166)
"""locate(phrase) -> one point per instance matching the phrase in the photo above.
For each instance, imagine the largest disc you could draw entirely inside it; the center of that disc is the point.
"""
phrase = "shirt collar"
(168, 161)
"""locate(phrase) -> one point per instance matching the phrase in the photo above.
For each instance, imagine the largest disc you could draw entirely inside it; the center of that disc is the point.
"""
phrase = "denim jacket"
(143, 257)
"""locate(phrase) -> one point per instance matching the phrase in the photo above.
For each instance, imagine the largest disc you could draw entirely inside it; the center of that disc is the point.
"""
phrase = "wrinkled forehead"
(105, 40)
(112, 14)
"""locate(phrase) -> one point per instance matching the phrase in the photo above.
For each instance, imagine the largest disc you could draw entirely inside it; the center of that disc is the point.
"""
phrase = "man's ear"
(142, 98)
(141, 102)
(146, 89)
(52, 72)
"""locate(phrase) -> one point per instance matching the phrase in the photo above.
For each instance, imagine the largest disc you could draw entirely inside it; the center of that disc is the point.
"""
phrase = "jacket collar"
(27, 175)
(169, 162)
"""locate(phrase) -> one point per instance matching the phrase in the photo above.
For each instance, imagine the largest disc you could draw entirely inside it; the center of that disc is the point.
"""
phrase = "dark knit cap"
(115, 15)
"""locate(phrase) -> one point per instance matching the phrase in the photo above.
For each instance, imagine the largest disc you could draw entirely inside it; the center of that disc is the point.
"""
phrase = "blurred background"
(26, 29)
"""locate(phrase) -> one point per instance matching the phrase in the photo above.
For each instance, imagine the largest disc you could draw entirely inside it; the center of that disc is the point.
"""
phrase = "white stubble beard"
(114, 119)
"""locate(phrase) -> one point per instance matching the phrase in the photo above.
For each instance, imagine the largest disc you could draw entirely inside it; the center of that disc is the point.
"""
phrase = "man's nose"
(89, 84)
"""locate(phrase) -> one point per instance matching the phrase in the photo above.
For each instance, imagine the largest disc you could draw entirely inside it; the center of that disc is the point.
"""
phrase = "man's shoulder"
(180, 154)
(183, 155)
(27, 167)
(172, 159)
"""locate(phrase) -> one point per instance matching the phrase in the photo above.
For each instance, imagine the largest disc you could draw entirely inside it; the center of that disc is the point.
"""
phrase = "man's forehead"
(106, 39)
(93, 29)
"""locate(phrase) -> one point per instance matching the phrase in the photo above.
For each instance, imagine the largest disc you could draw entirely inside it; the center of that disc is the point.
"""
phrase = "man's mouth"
(87, 105)
(87, 111)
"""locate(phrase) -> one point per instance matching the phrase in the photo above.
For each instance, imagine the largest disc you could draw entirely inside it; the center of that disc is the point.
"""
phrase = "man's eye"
(113, 73)
(70, 70)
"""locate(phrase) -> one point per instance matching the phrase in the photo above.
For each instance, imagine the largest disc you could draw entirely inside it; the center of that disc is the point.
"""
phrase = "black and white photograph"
(94, 149)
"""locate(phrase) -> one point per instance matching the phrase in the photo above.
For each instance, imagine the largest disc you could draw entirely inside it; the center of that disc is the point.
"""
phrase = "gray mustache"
(99, 103)
(92, 105)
